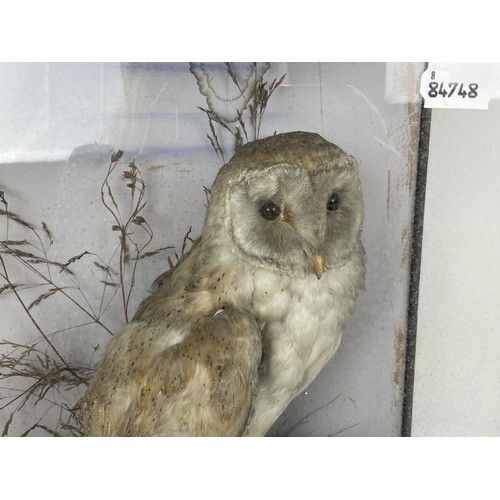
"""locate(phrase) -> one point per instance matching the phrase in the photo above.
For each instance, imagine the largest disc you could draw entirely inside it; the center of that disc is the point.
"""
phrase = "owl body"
(301, 320)
(253, 312)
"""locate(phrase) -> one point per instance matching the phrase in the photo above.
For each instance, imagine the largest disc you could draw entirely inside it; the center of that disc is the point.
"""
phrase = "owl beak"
(317, 263)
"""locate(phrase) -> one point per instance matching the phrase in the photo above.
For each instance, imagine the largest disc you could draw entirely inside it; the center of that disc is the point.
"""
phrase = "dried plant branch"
(305, 418)
(252, 111)
(26, 362)
(5, 276)
(64, 267)
(47, 375)
(14, 217)
(130, 249)
(28, 259)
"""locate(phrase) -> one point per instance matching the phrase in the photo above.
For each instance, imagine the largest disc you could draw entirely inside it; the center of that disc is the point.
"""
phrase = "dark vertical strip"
(416, 254)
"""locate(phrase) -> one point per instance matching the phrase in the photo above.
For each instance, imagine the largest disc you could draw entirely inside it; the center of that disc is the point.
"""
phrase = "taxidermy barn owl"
(247, 319)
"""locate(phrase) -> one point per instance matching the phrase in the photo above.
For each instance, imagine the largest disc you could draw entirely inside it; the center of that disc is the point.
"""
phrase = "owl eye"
(333, 202)
(270, 211)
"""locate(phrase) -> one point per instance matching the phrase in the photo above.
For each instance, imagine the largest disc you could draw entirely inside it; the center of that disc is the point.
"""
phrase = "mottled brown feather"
(201, 386)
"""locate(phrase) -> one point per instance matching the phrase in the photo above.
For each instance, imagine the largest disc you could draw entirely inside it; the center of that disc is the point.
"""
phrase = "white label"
(460, 85)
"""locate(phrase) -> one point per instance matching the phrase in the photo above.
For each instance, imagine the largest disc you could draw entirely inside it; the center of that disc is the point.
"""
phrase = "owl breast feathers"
(250, 315)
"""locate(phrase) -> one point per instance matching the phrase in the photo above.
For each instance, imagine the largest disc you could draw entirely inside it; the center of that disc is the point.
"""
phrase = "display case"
(428, 232)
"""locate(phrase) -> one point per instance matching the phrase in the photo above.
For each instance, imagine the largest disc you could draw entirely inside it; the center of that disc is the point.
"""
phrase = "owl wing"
(201, 386)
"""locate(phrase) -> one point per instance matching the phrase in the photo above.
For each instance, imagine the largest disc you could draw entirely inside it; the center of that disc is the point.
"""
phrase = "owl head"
(290, 202)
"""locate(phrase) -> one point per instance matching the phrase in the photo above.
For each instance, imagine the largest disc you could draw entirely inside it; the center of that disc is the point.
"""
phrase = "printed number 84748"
(436, 89)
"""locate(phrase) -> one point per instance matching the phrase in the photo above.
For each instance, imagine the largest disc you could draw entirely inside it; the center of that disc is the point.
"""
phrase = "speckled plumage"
(243, 323)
